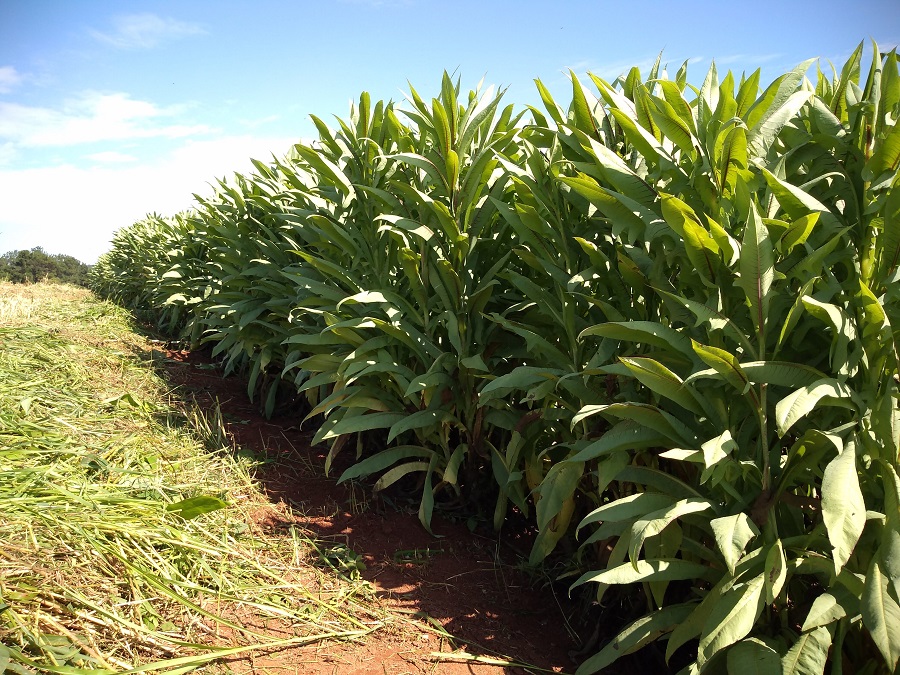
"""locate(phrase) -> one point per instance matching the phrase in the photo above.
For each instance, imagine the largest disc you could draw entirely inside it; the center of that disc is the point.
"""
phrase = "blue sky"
(111, 110)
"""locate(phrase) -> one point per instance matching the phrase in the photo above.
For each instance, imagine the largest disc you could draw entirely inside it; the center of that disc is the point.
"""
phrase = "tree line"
(30, 266)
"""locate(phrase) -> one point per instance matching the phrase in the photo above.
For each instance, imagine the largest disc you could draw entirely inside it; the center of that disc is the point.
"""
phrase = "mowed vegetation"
(127, 538)
(659, 320)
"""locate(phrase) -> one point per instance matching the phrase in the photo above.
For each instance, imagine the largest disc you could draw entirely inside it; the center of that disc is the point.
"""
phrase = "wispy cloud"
(145, 31)
(756, 59)
(91, 118)
(10, 78)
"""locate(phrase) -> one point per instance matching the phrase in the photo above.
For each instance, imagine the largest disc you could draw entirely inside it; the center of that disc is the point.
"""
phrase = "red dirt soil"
(470, 584)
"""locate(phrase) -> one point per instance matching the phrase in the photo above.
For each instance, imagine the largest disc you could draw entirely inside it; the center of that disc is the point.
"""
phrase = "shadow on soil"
(472, 585)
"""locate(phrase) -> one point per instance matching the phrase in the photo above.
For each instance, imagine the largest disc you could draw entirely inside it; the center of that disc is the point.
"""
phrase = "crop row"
(663, 319)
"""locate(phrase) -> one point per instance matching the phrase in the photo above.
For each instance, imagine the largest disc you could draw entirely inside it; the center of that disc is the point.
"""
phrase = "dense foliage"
(662, 319)
(24, 267)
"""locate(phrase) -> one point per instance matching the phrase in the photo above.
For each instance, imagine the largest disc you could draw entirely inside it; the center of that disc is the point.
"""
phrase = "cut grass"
(95, 573)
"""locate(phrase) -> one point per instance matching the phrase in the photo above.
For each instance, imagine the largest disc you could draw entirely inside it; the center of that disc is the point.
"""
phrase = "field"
(653, 331)
(147, 528)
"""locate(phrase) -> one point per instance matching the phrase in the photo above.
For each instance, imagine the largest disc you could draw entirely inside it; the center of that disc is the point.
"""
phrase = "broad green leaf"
(881, 614)
(757, 265)
(662, 381)
(628, 508)
(395, 474)
(419, 420)
(196, 506)
(382, 460)
(797, 203)
(887, 154)
(843, 506)
(753, 657)
(643, 332)
(889, 551)
(655, 522)
(557, 492)
(798, 404)
(732, 618)
(763, 135)
(351, 425)
(776, 571)
(732, 534)
(648, 416)
(626, 435)
(702, 249)
(647, 570)
(843, 331)
(809, 654)
(636, 635)
(830, 607)
(725, 364)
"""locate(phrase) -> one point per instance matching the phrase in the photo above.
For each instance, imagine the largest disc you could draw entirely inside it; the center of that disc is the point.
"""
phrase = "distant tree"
(23, 267)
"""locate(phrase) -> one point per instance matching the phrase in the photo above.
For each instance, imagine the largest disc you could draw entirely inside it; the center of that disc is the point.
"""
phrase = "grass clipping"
(125, 541)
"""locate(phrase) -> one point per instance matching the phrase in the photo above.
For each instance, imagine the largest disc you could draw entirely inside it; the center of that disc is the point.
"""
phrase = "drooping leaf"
(809, 654)
(636, 635)
(732, 618)
(753, 657)
(881, 614)
(732, 534)
(843, 505)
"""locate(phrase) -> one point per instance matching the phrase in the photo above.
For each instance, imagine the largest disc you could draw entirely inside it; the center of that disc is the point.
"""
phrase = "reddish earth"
(470, 584)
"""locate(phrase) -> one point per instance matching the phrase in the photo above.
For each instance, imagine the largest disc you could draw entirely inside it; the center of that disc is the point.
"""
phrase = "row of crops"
(661, 321)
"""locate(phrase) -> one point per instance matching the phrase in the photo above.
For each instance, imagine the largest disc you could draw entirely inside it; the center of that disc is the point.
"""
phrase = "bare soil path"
(468, 585)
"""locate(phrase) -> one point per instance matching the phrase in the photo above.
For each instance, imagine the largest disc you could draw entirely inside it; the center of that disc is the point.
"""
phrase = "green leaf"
(732, 534)
(757, 265)
(626, 435)
(420, 420)
(753, 657)
(809, 654)
(798, 404)
(644, 332)
(656, 377)
(725, 364)
(881, 614)
(889, 551)
(776, 571)
(702, 249)
(628, 508)
(732, 618)
(382, 460)
(351, 425)
(397, 473)
(647, 570)
(653, 523)
(648, 416)
(196, 506)
(887, 155)
(830, 607)
(557, 488)
(636, 635)
(843, 506)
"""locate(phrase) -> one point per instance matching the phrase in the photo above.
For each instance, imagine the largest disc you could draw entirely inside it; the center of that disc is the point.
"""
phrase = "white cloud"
(145, 31)
(9, 79)
(91, 118)
(112, 157)
(93, 202)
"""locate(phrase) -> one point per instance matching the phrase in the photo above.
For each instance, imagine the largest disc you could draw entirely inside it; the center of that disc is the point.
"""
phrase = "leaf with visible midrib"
(881, 615)
(732, 617)
(757, 265)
